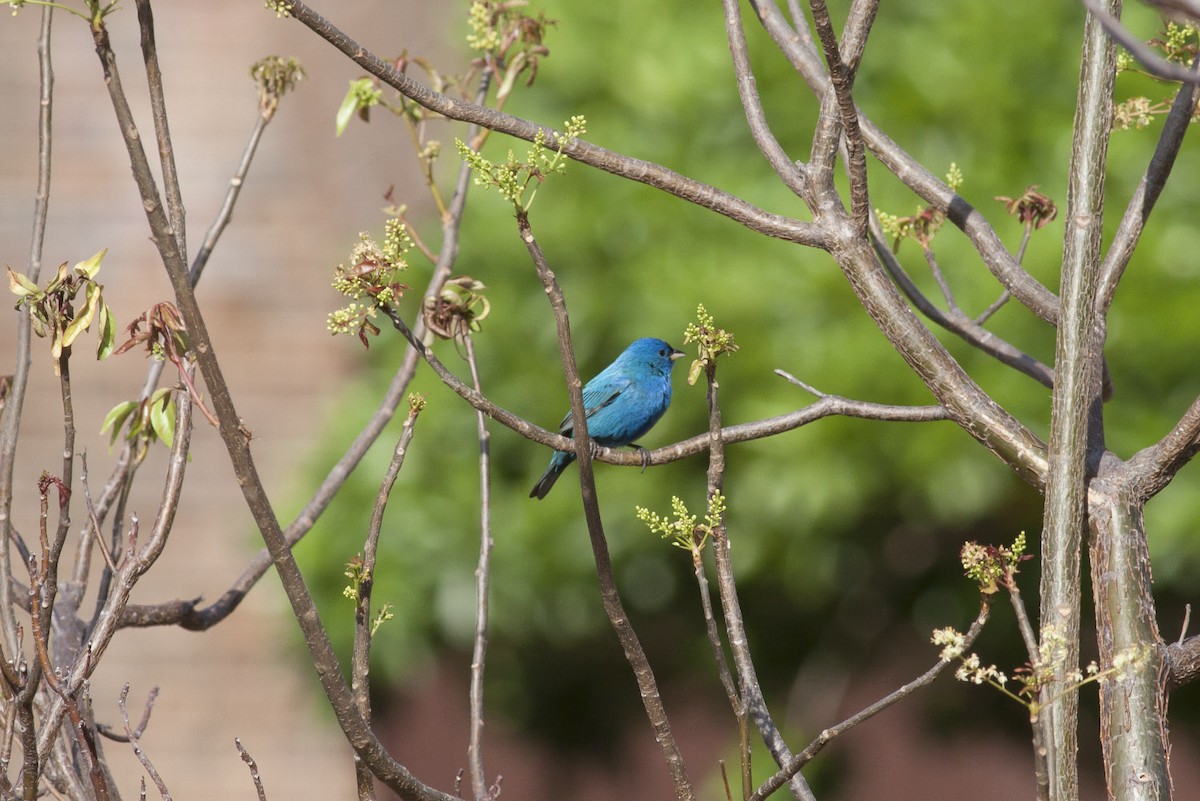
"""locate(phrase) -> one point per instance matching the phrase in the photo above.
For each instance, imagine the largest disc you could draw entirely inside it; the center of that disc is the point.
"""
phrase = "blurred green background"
(846, 533)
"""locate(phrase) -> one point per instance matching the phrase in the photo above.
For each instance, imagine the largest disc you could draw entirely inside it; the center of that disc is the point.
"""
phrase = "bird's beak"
(677, 354)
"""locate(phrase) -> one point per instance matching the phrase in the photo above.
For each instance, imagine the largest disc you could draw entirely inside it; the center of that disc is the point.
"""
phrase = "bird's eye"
(662, 353)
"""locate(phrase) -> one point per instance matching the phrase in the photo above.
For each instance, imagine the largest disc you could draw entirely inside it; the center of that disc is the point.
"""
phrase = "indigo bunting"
(623, 402)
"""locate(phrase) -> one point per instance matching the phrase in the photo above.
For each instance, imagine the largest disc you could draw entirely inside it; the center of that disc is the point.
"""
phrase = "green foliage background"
(846, 532)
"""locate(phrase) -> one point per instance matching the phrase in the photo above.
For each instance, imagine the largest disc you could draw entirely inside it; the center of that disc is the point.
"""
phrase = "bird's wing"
(596, 395)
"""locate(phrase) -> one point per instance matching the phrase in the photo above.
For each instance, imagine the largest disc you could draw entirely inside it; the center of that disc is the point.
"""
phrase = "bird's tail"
(558, 463)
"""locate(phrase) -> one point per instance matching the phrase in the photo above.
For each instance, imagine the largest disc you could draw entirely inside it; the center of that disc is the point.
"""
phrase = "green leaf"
(162, 416)
(84, 320)
(59, 279)
(19, 285)
(91, 266)
(349, 105)
(116, 419)
(108, 332)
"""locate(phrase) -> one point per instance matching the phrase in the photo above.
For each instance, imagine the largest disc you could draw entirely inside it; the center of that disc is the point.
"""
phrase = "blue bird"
(623, 402)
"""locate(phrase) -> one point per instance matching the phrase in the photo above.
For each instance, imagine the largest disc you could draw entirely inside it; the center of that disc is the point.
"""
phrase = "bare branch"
(791, 172)
(479, 783)
(162, 131)
(842, 80)
(15, 391)
(364, 624)
(956, 321)
(1151, 469)
(250, 763)
(750, 692)
(797, 48)
(225, 214)
(137, 746)
(723, 673)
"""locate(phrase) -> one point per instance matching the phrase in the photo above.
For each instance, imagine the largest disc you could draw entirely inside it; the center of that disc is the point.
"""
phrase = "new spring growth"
(358, 575)
(922, 226)
(282, 8)
(992, 566)
(55, 312)
(93, 12)
(458, 309)
(509, 41)
(1027, 681)
(681, 528)
(1032, 209)
(369, 280)
(710, 341)
(363, 94)
(483, 35)
(513, 178)
(275, 76)
(1178, 44)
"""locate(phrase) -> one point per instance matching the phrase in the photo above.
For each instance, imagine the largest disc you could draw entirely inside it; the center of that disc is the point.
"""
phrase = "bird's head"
(654, 352)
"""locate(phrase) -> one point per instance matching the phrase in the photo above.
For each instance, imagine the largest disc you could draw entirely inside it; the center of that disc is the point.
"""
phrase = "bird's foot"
(645, 456)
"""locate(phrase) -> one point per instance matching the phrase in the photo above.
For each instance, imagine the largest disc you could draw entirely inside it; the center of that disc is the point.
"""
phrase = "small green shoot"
(922, 226)
(369, 280)
(711, 342)
(682, 528)
(513, 178)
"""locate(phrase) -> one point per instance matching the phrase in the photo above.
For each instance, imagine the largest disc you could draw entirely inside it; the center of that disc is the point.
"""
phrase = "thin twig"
(92, 532)
(1037, 724)
(723, 672)
(16, 390)
(792, 173)
(954, 320)
(750, 692)
(804, 757)
(254, 775)
(137, 746)
(609, 595)
(364, 624)
(479, 782)
(162, 131)
(107, 731)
